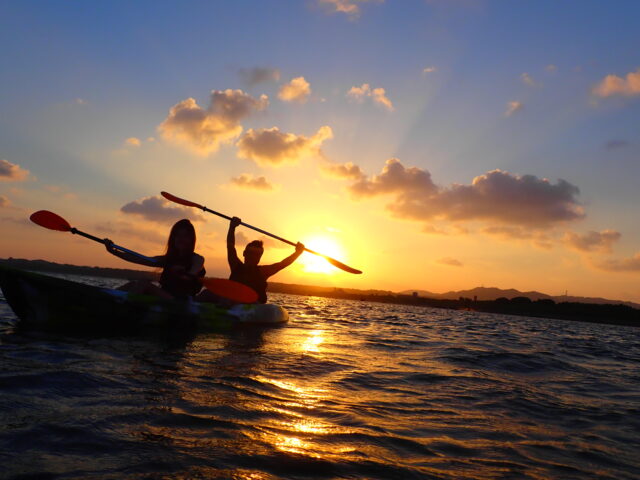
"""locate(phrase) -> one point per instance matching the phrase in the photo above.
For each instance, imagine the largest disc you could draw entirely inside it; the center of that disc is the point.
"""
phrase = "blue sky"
(79, 78)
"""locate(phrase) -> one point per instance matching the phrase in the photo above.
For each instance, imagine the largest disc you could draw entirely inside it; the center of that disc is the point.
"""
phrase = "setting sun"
(315, 264)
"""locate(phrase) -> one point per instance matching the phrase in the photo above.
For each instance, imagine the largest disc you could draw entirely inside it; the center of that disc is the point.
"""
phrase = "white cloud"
(270, 146)
(614, 85)
(351, 8)
(529, 81)
(203, 131)
(427, 70)
(513, 107)
(378, 95)
(248, 182)
(11, 172)
(158, 209)
(297, 90)
(132, 142)
(551, 68)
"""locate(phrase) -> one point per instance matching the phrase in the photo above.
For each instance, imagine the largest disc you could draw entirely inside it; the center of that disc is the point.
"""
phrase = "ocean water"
(345, 390)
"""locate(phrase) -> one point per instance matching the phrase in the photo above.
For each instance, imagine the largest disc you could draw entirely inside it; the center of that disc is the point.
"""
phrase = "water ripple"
(347, 390)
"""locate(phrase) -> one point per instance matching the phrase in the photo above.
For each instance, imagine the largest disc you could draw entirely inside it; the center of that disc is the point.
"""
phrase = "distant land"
(482, 299)
(493, 293)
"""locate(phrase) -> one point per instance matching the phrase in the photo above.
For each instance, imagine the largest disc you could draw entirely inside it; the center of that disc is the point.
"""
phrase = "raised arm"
(269, 270)
(132, 258)
(232, 256)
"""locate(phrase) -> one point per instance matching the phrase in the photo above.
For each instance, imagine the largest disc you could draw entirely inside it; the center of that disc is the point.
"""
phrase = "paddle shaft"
(262, 231)
(75, 231)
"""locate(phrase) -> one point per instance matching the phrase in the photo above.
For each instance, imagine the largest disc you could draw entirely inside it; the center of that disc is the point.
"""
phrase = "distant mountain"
(492, 293)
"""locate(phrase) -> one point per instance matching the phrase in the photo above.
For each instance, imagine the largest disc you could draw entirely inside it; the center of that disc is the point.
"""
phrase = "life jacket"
(178, 285)
(251, 276)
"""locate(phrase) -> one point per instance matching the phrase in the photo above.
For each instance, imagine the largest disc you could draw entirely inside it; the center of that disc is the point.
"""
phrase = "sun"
(315, 264)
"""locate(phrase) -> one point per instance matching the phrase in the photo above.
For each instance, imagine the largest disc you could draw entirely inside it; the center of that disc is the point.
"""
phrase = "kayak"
(54, 304)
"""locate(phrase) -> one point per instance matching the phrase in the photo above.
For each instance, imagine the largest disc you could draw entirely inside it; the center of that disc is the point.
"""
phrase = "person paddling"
(249, 272)
(182, 268)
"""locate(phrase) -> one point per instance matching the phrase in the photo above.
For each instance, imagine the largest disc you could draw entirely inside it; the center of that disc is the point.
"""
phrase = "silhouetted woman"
(182, 268)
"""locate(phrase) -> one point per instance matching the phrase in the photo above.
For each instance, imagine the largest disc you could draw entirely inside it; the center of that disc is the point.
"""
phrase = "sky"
(433, 144)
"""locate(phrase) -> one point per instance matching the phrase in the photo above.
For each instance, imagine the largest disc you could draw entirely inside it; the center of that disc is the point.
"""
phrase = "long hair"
(172, 252)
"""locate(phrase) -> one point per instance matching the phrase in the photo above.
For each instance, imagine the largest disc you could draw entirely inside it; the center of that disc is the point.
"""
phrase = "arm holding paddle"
(189, 203)
(130, 257)
(232, 255)
(269, 270)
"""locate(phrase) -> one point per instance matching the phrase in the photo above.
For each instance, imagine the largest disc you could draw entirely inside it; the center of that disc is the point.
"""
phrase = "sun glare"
(315, 264)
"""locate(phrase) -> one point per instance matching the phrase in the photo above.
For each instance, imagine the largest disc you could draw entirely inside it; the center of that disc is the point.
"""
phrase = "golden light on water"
(313, 341)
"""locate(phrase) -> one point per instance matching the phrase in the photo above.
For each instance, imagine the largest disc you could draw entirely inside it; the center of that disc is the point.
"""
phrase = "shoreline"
(604, 313)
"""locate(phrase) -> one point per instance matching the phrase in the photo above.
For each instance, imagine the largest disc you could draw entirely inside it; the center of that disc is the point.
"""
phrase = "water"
(345, 390)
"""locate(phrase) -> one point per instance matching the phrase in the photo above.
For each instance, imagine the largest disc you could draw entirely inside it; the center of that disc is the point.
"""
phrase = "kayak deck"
(57, 305)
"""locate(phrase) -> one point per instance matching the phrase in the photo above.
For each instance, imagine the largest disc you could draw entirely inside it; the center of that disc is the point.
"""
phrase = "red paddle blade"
(232, 290)
(50, 220)
(181, 201)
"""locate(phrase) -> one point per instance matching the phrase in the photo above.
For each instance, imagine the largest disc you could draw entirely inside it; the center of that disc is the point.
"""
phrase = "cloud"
(496, 196)
(348, 7)
(297, 90)
(248, 182)
(613, 85)
(343, 170)
(158, 209)
(529, 81)
(631, 264)
(270, 146)
(80, 101)
(203, 131)
(132, 142)
(513, 107)
(11, 172)
(592, 241)
(616, 144)
(61, 191)
(551, 68)
(256, 75)
(452, 262)
(427, 70)
(507, 232)
(4, 201)
(127, 229)
(378, 95)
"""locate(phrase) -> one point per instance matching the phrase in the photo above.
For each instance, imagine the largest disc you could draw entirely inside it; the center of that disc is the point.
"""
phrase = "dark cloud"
(254, 76)
(157, 209)
(452, 262)
(343, 170)
(631, 264)
(270, 146)
(616, 144)
(496, 196)
(10, 172)
(592, 241)
(249, 182)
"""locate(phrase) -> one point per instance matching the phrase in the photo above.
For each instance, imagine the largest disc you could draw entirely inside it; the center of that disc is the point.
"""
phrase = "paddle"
(52, 221)
(230, 289)
(188, 203)
(225, 288)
